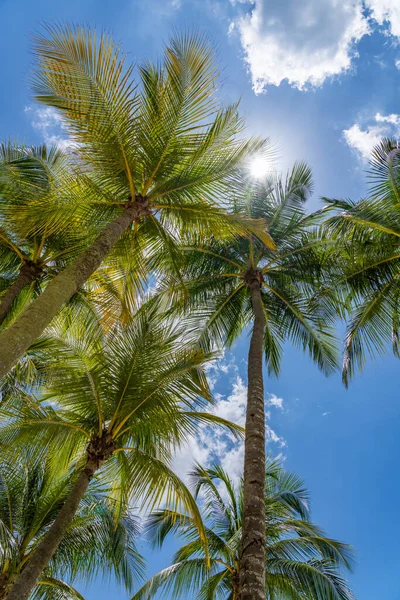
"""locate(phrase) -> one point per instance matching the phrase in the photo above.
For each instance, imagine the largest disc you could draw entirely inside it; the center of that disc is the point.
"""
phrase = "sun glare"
(259, 167)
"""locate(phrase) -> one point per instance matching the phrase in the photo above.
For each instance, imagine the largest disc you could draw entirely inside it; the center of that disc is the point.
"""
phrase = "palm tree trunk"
(28, 273)
(30, 574)
(252, 560)
(17, 338)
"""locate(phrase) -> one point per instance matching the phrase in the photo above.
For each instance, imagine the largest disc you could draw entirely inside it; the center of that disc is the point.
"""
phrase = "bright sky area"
(322, 79)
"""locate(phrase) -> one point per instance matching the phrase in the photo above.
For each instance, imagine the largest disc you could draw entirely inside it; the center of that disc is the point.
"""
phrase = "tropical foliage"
(125, 400)
(152, 156)
(301, 562)
(27, 175)
(126, 261)
(369, 235)
(99, 541)
(282, 291)
(219, 275)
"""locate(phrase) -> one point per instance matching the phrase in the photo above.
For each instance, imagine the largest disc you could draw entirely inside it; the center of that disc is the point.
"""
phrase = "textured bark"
(17, 338)
(252, 559)
(28, 273)
(29, 576)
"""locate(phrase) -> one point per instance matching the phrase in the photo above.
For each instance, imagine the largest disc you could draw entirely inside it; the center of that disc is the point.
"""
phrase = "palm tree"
(300, 562)
(99, 539)
(34, 173)
(235, 284)
(28, 174)
(120, 405)
(368, 232)
(153, 158)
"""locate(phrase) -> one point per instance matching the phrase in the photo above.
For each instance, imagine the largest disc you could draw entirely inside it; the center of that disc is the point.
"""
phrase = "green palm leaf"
(301, 562)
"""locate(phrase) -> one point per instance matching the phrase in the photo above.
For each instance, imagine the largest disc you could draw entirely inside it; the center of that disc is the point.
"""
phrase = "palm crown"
(300, 561)
(136, 391)
(28, 262)
(167, 136)
(27, 175)
(153, 158)
(164, 142)
(97, 541)
(220, 274)
(121, 404)
(368, 236)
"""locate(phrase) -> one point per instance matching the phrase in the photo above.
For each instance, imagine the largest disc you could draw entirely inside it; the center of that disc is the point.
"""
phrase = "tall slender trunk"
(30, 574)
(28, 273)
(17, 338)
(252, 559)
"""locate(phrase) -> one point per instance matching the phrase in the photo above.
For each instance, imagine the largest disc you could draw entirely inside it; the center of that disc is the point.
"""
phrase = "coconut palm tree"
(154, 156)
(119, 405)
(27, 264)
(99, 539)
(368, 232)
(28, 174)
(274, 290)
(301, 562)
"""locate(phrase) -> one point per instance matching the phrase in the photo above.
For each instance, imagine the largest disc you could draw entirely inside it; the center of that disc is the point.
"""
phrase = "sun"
(259, 167)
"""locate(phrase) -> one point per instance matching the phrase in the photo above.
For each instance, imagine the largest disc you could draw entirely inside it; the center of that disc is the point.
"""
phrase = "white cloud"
(302, 42)
(386, 12)
(223, 365)
(363, 140)
(233, 408)
(272, 436)
(50, 124)
(275, 401)
(397, 63)
(232, 462)
(193, 451)
(393, 118)
(45, 118)
(307, 42)
(214, 444)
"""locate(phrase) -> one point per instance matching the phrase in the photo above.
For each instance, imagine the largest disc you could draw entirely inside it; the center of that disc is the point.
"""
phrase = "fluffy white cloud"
(275, 401)
(223, 365)
(301, 42)
(307, 42)
(214, 444)
(233, 408)
(363, 140)
(232, 462)
(393, 118)
(51, 125)
(397, 63)
(386, 12)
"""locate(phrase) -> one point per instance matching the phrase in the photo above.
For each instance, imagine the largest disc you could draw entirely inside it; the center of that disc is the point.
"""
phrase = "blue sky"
(322, 79)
